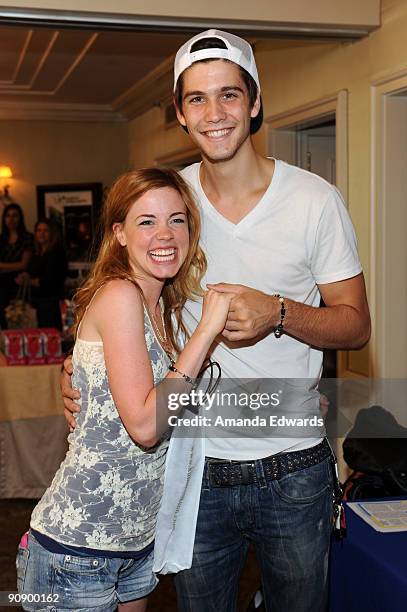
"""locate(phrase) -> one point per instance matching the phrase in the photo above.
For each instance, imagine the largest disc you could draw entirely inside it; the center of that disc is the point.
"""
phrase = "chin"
(221, 156)
(166, 273)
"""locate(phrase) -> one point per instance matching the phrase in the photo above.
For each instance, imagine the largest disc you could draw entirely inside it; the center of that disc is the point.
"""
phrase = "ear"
(180, 116)
(256, 106)
(119, 233)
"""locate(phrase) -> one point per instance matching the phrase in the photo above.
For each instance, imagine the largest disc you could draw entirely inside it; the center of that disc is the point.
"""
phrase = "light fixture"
(5, 173)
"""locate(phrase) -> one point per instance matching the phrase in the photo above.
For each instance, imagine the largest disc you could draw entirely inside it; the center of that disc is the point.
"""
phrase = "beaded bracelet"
(280, 327)
(187, 378)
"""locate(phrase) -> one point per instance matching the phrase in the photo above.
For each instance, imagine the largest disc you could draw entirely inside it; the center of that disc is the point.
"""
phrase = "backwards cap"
(237, 51)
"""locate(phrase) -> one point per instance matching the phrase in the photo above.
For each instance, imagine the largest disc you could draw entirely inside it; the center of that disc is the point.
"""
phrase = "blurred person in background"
(16, 247)
(46, 272)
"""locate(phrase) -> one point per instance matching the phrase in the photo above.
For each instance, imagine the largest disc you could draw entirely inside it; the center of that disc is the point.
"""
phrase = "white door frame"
(378, 299)
(336, 104)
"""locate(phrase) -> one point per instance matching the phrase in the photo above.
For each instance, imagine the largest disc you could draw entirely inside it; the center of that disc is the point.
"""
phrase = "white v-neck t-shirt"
(297, 236)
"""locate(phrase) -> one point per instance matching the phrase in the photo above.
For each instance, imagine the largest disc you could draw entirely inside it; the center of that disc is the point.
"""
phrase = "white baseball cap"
(237, 51)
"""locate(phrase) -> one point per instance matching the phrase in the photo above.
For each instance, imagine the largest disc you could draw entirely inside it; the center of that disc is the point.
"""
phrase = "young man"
(267, 228)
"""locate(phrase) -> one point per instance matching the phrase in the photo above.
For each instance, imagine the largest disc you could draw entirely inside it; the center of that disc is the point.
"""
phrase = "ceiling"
(81, 70)
(92, 75)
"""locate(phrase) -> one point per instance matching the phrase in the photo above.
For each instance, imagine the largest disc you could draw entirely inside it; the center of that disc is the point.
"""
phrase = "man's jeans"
(288, 520)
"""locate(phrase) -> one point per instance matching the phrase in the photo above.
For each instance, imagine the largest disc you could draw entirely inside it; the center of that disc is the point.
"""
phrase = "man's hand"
(69, 394)
(252, 313)
(343, 324)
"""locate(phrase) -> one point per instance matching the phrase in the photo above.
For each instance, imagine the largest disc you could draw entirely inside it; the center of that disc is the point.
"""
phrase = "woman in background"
(46, 272)
(16, 247)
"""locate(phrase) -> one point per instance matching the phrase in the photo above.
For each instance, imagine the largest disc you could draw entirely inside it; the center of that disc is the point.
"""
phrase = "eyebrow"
(181, 212)
(221, 90)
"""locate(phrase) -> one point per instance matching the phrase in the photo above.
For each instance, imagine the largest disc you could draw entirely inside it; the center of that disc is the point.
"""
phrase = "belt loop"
(206, 485)
(261, 478)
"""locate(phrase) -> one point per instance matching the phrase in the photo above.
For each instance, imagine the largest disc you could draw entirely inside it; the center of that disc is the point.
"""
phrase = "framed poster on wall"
(74, 208)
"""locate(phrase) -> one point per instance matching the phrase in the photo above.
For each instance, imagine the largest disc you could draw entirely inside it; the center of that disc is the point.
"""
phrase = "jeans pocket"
(21, 567)
(81, 565)
(305, 486)
(84, 582)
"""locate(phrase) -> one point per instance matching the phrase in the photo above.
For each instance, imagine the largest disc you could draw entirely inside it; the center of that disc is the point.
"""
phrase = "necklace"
(162, 337)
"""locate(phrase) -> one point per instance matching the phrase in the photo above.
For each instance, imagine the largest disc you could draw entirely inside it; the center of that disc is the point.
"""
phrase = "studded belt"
(223, 473)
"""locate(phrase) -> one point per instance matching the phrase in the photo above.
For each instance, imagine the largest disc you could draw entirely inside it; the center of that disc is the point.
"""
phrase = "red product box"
(33, 347)
(14, 346)
(52, 343)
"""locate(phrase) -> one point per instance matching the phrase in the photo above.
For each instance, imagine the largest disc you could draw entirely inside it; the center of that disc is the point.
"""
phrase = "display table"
(368, 569)
(33, 430)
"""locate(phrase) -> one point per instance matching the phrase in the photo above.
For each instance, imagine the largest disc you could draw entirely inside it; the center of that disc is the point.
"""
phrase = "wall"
(50, 152)
(310, 12)
(149, 140)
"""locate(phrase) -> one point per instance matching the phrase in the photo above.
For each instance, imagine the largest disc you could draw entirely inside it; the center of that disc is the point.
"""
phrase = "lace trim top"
(107, 491)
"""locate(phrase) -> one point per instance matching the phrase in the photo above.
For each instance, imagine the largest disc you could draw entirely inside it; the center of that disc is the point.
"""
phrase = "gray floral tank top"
(107, 491)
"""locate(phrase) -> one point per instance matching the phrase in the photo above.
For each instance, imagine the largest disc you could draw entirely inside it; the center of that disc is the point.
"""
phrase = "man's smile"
(217, 134)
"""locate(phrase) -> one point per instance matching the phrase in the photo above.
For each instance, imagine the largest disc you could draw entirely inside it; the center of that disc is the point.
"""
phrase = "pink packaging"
(24, 540)
(33, 347)
(52, 344)
(14, 346)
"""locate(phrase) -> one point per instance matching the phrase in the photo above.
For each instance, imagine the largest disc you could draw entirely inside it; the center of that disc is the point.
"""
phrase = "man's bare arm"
(343, 324)
(69, 394)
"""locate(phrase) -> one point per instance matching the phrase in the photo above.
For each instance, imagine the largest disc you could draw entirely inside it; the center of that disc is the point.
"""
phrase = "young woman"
(46, 272)
(91, 538)
(16, 247)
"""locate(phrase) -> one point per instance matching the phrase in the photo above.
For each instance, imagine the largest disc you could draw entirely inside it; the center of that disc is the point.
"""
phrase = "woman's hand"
(215, 311)
(22, 278)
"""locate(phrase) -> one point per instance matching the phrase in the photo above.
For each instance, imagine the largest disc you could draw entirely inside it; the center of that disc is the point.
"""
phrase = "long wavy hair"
(112, 260)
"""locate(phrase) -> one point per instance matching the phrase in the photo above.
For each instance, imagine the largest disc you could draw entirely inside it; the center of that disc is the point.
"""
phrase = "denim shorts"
(62, 583)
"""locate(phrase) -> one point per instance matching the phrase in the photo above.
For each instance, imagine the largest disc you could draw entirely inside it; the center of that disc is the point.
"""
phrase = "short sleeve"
(335, 255)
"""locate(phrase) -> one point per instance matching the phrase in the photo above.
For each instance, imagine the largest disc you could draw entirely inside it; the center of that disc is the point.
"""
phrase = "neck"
(151, 292)
(229, 179)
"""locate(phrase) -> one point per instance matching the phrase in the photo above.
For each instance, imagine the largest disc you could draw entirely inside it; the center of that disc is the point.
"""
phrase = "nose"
(164, 232)
(215, 111)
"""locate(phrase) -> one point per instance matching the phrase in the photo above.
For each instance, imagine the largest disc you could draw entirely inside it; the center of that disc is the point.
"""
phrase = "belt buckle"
(244, 471)
(224, 475)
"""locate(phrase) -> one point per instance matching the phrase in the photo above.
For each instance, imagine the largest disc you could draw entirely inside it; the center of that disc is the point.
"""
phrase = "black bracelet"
(280, 327)
(187, 378)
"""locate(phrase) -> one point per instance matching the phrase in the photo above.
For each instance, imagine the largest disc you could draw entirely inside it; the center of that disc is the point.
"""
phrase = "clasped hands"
(252, 313)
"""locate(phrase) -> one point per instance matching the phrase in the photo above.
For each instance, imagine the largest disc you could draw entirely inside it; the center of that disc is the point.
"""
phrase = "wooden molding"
(155, 89)
(53, 111)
